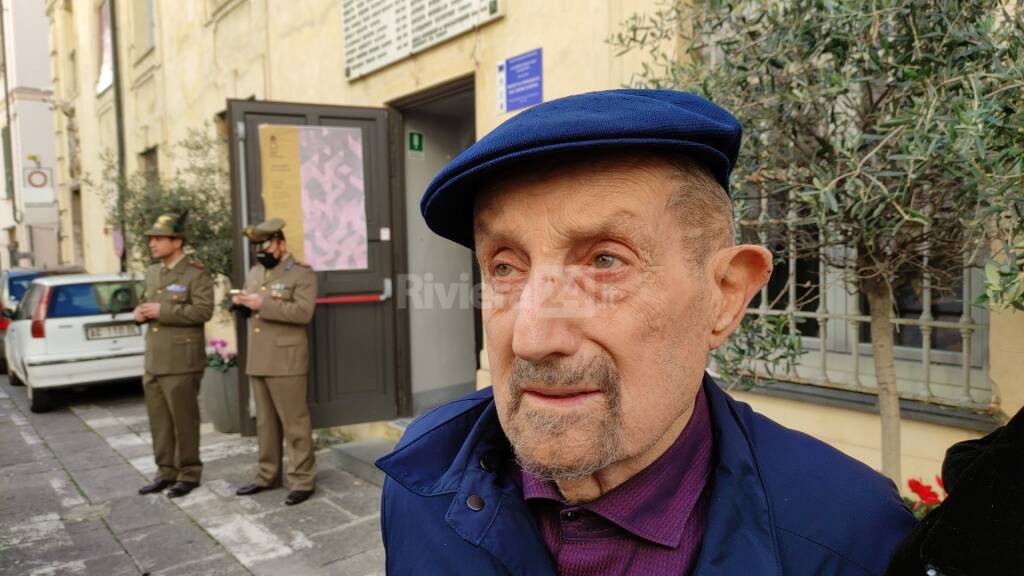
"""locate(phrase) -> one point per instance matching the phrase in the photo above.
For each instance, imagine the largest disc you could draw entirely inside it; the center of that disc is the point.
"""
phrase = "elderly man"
(603, 230)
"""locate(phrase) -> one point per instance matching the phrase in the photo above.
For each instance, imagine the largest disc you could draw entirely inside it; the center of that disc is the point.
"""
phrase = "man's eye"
(503, 270)
(606, 261)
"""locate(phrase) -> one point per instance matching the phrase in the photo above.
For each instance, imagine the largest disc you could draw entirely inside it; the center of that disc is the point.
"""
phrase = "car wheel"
(39, 400)
(12, 378)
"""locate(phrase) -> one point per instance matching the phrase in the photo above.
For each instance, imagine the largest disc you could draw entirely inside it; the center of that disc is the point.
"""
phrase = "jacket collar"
(740, 534)
(278, 271)
(177, 267)
(738, 539)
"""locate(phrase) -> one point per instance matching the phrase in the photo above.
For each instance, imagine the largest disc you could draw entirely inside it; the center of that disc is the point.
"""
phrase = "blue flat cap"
(663, 119)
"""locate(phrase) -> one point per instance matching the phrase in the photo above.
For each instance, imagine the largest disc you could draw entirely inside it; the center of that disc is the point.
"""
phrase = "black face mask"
(267, 260)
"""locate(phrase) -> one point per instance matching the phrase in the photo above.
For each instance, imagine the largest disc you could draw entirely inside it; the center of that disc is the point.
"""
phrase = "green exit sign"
(415, 145)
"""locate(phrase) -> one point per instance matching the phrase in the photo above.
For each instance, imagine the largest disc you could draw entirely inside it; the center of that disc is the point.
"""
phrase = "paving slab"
(134, 512)
(118, 564)
(169, 545)
(101, 457)
(220, 565)
(344, 542)
(354, 495)
(17, 472)
(24, 447)
(56, 424)
(101, 484)
(68, 444)
(368, 563)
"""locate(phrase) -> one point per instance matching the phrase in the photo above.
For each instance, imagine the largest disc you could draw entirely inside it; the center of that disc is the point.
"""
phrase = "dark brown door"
(357, 347)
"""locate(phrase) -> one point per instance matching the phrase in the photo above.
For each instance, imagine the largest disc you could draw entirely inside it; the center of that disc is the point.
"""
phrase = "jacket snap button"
(475, 503)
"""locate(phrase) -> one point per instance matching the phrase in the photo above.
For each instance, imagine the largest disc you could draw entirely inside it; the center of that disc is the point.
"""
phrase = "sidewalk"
(68, 502)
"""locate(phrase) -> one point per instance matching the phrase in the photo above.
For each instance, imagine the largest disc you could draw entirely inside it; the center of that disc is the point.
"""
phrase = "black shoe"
(297, 497)
(181, 488)
(155, 486)
(250, 489)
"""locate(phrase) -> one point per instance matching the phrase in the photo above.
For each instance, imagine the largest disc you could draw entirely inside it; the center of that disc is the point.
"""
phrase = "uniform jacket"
(782, 503)
(278, 341)
(174, 341)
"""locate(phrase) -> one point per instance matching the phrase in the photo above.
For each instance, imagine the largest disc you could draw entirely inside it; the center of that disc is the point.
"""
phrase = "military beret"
(663, 119)
(169, 225)
(264, 230)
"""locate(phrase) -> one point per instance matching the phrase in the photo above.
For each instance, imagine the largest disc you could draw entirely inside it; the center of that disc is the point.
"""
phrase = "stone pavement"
(68, 501)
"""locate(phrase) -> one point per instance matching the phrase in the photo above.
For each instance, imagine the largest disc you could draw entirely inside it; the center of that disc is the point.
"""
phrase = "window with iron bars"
(941, 343)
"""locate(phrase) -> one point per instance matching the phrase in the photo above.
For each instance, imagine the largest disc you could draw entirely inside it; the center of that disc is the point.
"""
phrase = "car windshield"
(94, 299)
(18, 285)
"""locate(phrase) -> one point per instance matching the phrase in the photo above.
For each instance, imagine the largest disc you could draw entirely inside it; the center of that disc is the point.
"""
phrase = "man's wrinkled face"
(597, 333)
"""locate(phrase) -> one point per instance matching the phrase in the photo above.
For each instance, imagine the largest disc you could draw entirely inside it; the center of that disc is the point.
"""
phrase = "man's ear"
(738, 274)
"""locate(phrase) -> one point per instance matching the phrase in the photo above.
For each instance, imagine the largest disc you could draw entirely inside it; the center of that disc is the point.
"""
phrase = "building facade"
(28, 205)
(442, 74)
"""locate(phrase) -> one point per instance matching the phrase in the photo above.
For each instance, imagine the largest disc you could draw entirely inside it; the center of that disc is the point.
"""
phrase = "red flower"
(924, 492)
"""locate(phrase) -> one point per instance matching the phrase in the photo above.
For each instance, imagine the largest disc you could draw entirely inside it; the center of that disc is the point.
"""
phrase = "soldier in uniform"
(177, 303)
(279, 297)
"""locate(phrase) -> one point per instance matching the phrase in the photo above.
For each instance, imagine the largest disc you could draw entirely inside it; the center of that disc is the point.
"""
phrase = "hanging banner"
(313, 179)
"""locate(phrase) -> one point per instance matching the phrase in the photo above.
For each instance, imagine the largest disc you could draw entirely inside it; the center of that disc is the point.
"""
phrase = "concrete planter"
(219, 394)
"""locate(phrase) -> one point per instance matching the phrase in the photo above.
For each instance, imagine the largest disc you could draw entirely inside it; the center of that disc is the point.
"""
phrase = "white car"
(74, 330)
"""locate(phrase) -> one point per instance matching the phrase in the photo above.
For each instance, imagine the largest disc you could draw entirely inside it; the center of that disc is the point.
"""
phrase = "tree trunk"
(881, 304)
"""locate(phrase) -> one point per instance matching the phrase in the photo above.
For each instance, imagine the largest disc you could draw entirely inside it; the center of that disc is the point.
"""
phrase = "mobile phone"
(234, 292)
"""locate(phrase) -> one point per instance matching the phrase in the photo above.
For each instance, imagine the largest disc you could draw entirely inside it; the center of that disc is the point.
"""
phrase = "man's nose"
(547, 320)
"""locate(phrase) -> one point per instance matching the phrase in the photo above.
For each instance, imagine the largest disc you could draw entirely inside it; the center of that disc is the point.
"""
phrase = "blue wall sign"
(520, 81)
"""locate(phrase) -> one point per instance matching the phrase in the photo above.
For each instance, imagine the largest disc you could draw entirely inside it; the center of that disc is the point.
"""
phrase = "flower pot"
(219, 394)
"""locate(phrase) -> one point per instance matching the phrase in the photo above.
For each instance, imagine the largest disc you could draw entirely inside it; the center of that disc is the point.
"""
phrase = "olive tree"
(199, 186)
(885, 138)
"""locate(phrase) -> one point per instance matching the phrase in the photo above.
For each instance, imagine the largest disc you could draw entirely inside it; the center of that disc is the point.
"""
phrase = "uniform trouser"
(281, 407)
(172, 401)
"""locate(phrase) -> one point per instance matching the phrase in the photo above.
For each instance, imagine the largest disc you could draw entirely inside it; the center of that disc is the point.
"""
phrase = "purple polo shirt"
(651, 524)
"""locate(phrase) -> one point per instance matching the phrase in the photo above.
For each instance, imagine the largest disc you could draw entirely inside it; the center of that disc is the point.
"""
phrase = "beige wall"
(859, 434)
(1006, 360)
(93, 117)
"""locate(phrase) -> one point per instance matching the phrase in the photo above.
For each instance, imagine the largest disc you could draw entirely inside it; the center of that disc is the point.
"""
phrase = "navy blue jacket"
(782, 503)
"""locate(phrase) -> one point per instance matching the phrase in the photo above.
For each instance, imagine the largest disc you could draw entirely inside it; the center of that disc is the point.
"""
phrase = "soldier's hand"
(253, 301)
(150, 310)
(139, 316)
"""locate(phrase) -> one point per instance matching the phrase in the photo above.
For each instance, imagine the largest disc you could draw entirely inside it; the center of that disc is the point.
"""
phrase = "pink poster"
(333, 197)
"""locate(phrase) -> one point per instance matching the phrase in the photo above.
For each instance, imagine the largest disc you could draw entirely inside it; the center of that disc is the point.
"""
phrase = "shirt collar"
(280, 269)
(174, 264)
(654, 503)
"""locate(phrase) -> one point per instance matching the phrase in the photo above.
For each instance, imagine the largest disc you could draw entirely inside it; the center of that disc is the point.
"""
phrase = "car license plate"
(112, 331)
